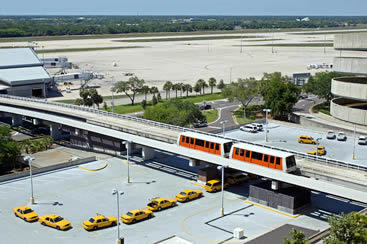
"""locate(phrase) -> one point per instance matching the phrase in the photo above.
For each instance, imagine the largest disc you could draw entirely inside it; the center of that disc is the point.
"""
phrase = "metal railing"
(325, 160)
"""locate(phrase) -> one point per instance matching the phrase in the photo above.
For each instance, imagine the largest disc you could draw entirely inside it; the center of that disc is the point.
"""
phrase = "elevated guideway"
(157, 136)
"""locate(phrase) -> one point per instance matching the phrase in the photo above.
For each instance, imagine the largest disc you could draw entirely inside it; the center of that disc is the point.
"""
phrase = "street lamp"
(267, 110)
(30, 159)
(222, 208)
(222, 123)
(127, 145)
(354, 143)
(118, 193)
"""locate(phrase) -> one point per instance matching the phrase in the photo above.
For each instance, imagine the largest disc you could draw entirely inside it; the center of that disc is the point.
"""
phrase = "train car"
(265, 157)
(209, 144)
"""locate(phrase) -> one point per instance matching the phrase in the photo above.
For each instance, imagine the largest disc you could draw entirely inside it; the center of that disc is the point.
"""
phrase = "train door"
(242, 155)
(272, 162)
(235, 154)
(278, 163)
(207, 146)
(212, 147)
(217, 148)
(192, 143)
(266, 160)
(248, 156)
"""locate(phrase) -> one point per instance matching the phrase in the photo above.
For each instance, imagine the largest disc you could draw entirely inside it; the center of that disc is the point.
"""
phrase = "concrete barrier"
(339, 110)
(47, 169)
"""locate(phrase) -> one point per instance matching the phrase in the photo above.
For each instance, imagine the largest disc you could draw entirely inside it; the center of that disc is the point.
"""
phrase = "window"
(212, 145)
(191, 140)
(272, 159)
(199, 142)
(242, 152)
(207, 144)
(290, 161)
(182, 138)
(236, 151)
(227, 147)
(216, 146)
(257, 156)
(266, 158)
(247, 154)
(187, 139)
(278, 161)
(99, 221)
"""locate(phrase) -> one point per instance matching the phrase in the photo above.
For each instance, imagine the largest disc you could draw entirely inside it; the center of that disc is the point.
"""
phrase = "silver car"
(362, 140)
(330, 134)
(341, 136)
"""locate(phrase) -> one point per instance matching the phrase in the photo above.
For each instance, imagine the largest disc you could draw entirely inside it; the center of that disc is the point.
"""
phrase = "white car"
(249, 128)
(258, 126)
(362, 140)
(330, 134)
(341, 136)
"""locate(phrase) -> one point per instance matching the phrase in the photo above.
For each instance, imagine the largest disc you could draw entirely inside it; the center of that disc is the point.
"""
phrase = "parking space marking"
(196, 184)
(98, 169)
(271, 209)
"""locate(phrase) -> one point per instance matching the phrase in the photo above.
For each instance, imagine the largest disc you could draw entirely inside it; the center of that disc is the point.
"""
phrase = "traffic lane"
(287, 137)
(304, 105)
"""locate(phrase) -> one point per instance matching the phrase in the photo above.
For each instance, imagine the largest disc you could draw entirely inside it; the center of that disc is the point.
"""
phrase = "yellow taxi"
(187, 195)
(214, 186)
(158, 203)
(55, 221)
(306, 140)
(25, 213)
(98, 222)
(136, 215)
(237, 178)
(320, 151)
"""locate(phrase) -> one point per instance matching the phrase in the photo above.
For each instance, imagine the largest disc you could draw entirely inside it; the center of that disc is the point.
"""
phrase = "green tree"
(144, 104)
(296, 237)
(348, 228)
(176, 87)
(167, 87)
(202, 83)
(212, 83)
(130, 88)
(145, 90)
(86, 97)
(244, 91)
(197, 88)
(154, 100)
(280, 96)
(154, 90)
(176, 112)
(320, 84)
(78, 101)
(96, 98)
(187, 88)
(159, 98)
(221, 85)
(105, 107)
(9, 149)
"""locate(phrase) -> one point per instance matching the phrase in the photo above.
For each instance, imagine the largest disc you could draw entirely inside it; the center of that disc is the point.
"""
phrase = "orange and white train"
(244, 152)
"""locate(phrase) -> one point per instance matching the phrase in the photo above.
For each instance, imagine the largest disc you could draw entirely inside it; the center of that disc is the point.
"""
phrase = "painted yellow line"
(28, 203)
(271, 209)
(81, 167)
(196, 184)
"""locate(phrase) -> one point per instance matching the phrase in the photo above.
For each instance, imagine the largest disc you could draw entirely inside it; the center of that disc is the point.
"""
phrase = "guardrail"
(330, 161)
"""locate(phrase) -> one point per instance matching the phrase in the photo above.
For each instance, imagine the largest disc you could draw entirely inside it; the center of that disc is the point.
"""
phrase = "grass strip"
(211, 115)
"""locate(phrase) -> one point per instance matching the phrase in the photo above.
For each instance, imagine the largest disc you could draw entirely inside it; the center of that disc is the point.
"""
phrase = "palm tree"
(154, 90)
(167, 87)
(197, 88)
(176, 87)
(187, 88)
(212, 83)
(145, 90)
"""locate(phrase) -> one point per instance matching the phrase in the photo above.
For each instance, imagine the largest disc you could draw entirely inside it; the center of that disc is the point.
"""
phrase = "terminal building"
(350, 91)
(22, 73)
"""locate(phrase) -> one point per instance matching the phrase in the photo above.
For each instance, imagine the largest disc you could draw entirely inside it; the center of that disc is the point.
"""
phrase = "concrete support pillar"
(194, 162)
(55, 132)
(16, 120)
(275, 185)
(36, 122)
(147, 153)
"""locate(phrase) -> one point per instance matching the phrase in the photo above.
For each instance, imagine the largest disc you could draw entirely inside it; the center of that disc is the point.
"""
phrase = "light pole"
(267, 110)
(222, 123)
(118, 193)
(222, 205)
(29, 159)
(354, 143)
(127, 144)
(113, 102)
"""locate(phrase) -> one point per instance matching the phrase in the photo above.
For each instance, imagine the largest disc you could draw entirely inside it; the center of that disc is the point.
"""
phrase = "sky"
(184, 7)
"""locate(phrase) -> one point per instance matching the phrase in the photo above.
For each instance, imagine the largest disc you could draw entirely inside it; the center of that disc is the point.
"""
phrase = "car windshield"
(91, 220)
(129, 214)
(27, 211)
(290, 161)
(58, 219)
(208, 184)
(183, 193)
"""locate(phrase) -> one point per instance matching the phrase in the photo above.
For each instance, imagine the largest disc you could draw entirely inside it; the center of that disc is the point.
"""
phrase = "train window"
(187, 139)
(227, 147)
(272, 159)
(278, 161)
(199, 142)
(266, 158)
(242, 152)
(182, 138)
(236, 152)
(216, 146)
(191, 140)
(212, 145)
(247, 154)
(290, 161)
(257, 156)
(207, 144)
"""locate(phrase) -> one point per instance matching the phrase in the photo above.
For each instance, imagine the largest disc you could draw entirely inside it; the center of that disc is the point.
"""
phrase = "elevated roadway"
(155, 135)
